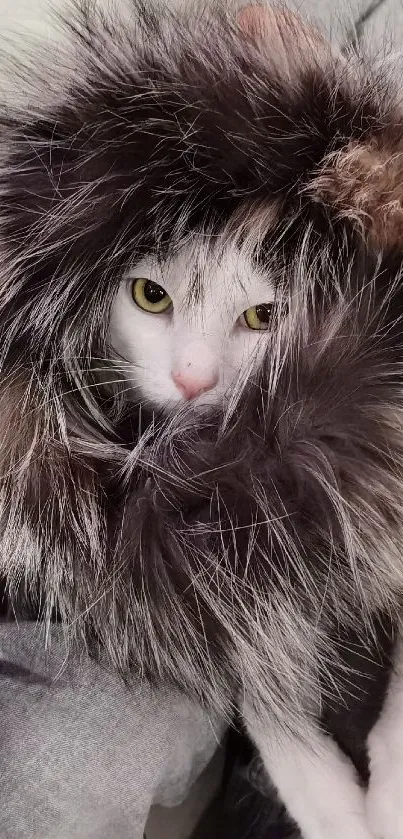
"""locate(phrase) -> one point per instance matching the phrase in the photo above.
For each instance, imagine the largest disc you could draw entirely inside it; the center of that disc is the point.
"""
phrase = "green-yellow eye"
(258, 317)
(150, 296)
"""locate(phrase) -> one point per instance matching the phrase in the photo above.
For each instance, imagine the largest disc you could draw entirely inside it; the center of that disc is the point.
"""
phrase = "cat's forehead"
(201, 273)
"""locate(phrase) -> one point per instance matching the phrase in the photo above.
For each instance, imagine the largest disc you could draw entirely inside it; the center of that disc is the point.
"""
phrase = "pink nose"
(192, 384)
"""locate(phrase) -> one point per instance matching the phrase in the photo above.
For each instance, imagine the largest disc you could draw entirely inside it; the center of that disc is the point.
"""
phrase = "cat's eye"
(258, 317)
(150, 296)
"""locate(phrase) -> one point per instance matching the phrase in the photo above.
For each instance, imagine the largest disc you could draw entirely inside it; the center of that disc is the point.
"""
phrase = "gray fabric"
(81, 755)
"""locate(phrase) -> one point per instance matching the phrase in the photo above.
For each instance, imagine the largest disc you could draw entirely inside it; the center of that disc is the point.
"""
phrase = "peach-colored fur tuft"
(364, 182)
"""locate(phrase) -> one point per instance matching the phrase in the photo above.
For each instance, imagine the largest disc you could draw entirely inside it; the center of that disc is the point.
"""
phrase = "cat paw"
(384, 801)
(354, 828)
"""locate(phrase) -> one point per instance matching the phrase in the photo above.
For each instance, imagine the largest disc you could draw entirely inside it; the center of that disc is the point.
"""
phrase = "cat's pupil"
(264, 313)
(153, 292)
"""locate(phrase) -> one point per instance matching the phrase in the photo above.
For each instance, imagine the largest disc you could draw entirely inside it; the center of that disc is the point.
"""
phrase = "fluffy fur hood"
(234, 549)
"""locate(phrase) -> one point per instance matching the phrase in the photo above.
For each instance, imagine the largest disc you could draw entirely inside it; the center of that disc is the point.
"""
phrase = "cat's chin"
(204, 404)
(194, 406)
(209, 401)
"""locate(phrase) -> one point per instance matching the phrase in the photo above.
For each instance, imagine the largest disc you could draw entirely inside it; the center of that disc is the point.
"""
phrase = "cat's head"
(189, 327)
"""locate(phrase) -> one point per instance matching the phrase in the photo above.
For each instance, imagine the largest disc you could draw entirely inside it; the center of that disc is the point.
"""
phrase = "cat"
(198, 338)
(201, 406)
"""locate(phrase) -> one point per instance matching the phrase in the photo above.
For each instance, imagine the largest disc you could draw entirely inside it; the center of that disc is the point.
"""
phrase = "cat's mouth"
(205, 400)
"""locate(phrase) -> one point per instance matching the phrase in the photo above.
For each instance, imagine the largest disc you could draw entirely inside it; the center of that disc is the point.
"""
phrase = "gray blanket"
(81, 755)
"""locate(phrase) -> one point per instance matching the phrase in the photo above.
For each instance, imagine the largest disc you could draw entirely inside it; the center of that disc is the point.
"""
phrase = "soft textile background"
(81, 756)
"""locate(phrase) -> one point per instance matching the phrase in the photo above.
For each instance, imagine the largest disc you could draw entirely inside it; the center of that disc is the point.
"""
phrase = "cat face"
(189, 328)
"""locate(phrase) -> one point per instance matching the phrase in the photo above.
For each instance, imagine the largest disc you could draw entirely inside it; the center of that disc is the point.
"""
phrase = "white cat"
(191, 328)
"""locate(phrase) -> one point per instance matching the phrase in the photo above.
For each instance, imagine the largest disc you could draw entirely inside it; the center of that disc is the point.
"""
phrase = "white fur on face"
(201, 338)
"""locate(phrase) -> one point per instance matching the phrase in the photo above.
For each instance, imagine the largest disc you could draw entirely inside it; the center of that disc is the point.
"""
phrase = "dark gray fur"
(262, 546)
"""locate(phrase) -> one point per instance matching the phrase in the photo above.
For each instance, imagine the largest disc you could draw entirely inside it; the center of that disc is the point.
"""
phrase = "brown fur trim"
(365, 183)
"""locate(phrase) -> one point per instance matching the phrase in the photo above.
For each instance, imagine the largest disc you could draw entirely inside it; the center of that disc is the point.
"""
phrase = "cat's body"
(205, 500)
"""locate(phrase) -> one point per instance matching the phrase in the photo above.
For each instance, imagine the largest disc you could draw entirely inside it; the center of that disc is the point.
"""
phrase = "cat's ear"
(363, 182)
